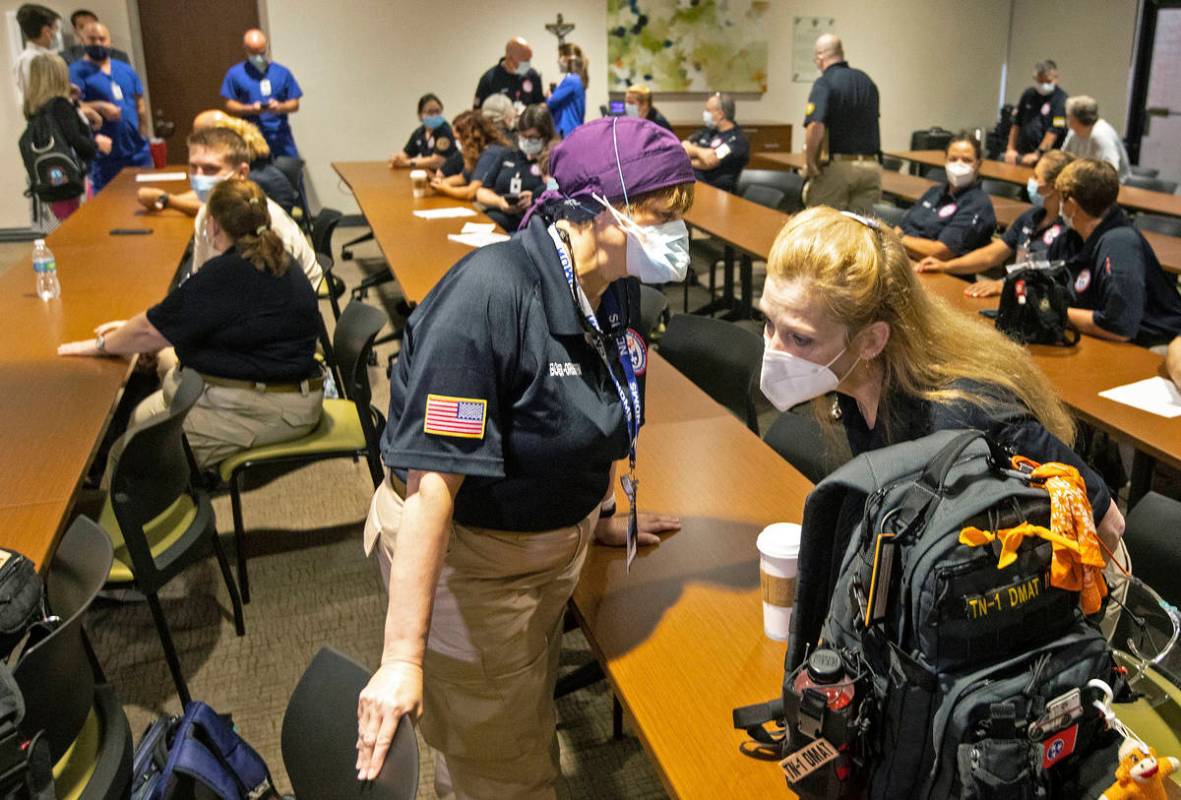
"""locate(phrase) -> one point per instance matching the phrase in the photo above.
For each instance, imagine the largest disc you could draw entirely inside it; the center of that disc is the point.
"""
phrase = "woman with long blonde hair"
(846, 314)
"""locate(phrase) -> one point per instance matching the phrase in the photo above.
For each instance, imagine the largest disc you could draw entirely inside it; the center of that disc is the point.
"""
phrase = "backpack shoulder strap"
(240, 758)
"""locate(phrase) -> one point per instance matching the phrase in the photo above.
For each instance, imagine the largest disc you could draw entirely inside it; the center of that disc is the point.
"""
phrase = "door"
(1155, 130)
(187, 49)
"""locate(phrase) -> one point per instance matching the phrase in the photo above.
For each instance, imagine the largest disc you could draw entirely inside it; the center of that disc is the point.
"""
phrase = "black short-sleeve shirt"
(231, 320)
(1026, 237)
(497, 381)
(524, 89)
(846, 100)
(512, 164)
(732, 150)
(1036, 114)
(454, 166)
(425, 142)
(904, 418)
(963, 221)
(1118, 276)
(655, 116)
(274, 183)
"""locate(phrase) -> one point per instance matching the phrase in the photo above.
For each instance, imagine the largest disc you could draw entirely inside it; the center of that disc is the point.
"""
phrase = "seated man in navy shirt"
(263, 92)
(719, 151)
(1121, 292)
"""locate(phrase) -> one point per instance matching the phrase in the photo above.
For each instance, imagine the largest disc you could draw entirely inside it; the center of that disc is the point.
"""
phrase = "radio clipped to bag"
(1034, 303)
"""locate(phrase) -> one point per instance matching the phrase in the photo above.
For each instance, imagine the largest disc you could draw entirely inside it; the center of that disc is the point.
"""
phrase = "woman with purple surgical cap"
(519, 385)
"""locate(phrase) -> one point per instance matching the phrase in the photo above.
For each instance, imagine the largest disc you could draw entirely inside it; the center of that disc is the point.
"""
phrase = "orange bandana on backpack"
(1078, 560)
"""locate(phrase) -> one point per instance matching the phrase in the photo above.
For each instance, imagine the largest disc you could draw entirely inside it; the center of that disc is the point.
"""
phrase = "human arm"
(1173, 361)
(282, 106)
(918, 247)
(611, 529)
(1084, 320)
(990, 288)
(565, 90)
(141, 111)
(105, 109)
(1014, 130)
(242, 109)
(136, 335)
(431, 162)
(491, 199)
(991, 255)
(456, 188)
(813, 140)
(150, 198)
(395, 688)
(77, 132)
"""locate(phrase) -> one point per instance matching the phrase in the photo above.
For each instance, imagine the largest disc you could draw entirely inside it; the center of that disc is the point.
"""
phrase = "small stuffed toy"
(1141, 774)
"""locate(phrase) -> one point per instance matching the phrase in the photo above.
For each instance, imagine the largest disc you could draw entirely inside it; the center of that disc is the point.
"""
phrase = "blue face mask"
(432, 121)
(1035, 197)
(202, 185)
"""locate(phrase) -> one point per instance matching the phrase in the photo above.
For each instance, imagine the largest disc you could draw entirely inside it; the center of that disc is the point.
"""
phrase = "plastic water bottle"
(45, 266)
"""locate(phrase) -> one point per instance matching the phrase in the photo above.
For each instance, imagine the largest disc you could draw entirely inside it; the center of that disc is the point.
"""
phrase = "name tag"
(116, 91)
(722, 152)
(514, 185)
(264, 87)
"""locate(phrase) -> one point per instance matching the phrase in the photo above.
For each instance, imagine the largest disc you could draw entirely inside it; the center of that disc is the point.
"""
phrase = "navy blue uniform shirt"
(497, 381)
(963, 221)
(1118, 277)
(1052, 243)
(732, 150)
(524, 90)
(425, 142)
(845, 100)
(904, 418)
(655, 116)
(1037, 113)
(499, 178)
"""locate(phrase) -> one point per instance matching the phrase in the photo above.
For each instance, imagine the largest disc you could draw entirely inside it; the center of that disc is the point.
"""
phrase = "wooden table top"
(418, 250)
(1129, 196)
(54, 411)
(747, 226)
(911, 187)
(681, 638)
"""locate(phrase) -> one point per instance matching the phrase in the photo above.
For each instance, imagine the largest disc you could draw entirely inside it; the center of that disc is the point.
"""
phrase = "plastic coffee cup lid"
(780, 540)
(418, 174)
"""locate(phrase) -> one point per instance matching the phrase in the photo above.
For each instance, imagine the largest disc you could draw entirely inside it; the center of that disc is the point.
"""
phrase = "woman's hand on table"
(989, 288)
(612, 531)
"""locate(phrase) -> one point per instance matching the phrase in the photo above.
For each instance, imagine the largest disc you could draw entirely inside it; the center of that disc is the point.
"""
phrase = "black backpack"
(26, 767)
(55, 171)
(970, 681)
(1033, 306)
(24, 612)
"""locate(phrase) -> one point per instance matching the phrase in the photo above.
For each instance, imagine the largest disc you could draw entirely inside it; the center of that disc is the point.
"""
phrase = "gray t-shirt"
(1104, 144)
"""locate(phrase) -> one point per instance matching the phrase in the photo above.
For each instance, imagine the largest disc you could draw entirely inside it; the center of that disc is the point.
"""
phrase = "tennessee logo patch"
(527, 85)
(442, 143)
(461, 417)
(808, 109)
(1082, 281)
(638, 351)
(1045, 109)
(1059, 746)
(947, 211)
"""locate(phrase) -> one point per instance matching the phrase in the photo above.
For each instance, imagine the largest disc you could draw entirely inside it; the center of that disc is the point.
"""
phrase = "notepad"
(153, 177)
(1158, 396)
(478, 227)
(444, 213)
(478, 239)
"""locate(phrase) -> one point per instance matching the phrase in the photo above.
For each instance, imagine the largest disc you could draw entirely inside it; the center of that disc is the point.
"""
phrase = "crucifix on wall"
(560, 28)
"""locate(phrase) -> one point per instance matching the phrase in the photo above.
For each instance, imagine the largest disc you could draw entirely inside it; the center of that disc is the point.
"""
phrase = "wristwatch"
(100, 343)
(161, 201)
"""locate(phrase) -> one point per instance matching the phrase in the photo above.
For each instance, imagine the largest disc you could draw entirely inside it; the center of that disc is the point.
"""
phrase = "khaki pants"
(847, 186)
(228, 420)
(492, 654)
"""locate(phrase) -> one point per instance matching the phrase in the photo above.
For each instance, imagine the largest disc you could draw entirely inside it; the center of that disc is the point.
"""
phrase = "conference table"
(1132, 197)
(911, 187)
(54, 411)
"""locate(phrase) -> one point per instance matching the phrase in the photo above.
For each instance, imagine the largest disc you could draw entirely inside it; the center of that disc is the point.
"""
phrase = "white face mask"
(202, 185)
(655, 253)
(708, 118)
(959, 174)
(631, 109)
(523, 67)
(1045, 89)
(530, 147)
(788, 380)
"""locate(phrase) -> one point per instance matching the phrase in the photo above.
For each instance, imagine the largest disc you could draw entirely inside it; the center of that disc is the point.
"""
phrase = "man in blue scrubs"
(263, 92)
(111, 87)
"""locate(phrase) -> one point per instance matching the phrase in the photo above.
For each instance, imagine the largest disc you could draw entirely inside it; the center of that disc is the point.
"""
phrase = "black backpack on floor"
(971, 681)
(1033, 306)
(55, 171)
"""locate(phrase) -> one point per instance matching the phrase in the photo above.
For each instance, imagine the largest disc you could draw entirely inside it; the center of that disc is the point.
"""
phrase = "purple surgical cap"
(615, 158)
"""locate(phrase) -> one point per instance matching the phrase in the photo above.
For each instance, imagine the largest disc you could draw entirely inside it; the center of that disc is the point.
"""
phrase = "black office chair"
(791, 184)
(764, 195)
(931, 173)
(1001, 188)
(653, 312)
(1151, 537)
(889, 213)
(722, 358)
(348, 428)
(320, 733)
(64, 691)
(292, 169)
(891, 163)
(1145, 172)
(1158, 223)
(796, 436)
(1151, 184)
(933, 138)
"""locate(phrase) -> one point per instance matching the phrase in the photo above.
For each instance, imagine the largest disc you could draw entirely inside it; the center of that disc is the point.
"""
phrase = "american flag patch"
(462, 417)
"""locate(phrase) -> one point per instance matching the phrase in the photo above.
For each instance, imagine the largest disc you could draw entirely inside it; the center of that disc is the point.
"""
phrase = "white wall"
(14, 208)
(1091, 40)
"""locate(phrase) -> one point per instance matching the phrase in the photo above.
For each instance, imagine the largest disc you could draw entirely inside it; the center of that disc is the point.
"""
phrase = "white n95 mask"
(655, 253)
(959, 174)
(788, 380)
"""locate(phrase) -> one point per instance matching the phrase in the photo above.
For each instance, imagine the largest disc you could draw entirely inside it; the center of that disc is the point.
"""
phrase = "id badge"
(630, 484)
(514, 185)
(264, 87)
(116, 91)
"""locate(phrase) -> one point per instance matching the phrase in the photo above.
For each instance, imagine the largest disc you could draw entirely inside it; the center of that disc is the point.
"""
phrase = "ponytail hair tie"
(254, 201)
(259, 230)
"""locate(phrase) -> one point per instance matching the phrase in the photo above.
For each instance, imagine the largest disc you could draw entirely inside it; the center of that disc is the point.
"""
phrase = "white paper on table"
(477, 239)
(1155, 395)
(152, 177)
(478, 227)
(444, 213)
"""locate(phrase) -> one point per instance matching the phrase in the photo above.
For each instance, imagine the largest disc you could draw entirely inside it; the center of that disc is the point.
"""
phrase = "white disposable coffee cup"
(779, 551)
(418, 178)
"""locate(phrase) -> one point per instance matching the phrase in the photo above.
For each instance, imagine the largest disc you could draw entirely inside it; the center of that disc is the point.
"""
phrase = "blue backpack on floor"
(198, 756)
